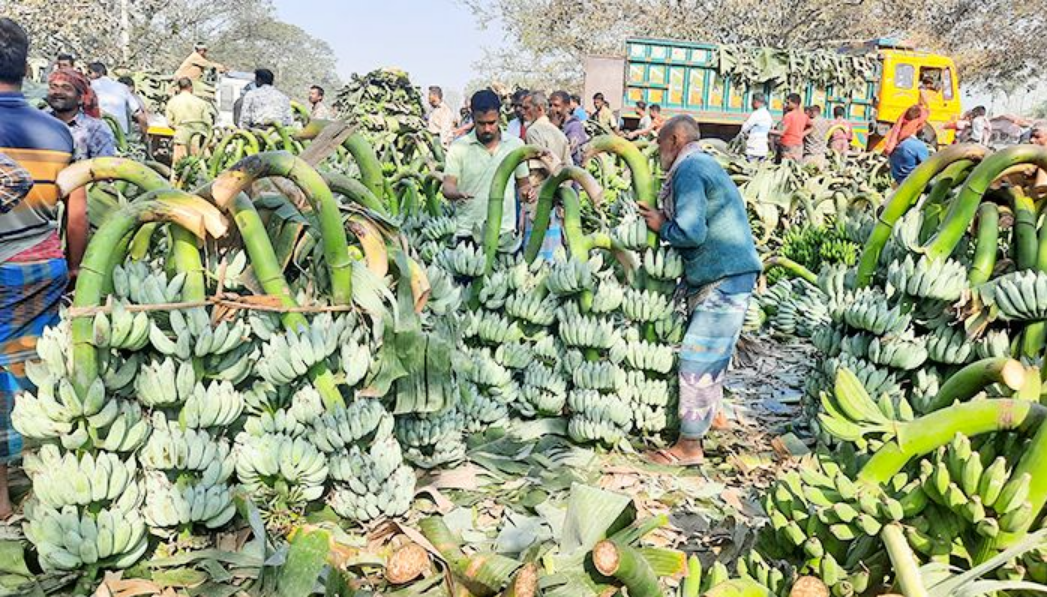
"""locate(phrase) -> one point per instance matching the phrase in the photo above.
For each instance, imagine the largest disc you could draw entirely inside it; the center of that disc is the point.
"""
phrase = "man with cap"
(72, 100)
(196, 64)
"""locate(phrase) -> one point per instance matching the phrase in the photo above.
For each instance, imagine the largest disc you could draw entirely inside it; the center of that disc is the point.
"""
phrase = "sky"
(435, 41)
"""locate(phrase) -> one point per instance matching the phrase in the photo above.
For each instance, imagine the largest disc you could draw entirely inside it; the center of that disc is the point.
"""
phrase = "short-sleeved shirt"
(43, 145)
(441, 124)
(265, 105)
(193, 66)
(188, 114)
(793, 125)
(909, 154)
(756, 129)
(605, 117)
(545, 134)
(473, 165)
(817, 143)
(116, 100)
(92, 138)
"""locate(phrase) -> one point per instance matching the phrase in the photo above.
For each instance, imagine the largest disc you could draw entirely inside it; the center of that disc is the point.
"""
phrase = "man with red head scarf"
(72, 101)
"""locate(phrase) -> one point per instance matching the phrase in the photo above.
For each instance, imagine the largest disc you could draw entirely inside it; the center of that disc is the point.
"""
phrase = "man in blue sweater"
(703, 217)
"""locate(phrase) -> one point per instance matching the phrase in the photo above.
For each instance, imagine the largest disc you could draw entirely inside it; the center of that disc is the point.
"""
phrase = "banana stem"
(906, 567)
(367, 162)
(986, 246)
(904, 198)
(790, 267)
(355, 191)
(186, 257)
(496, 199)
(242, 175)
(973, 378)
(98, 169)
(645, 187)
(617, 559)
(934, 206)
(546, 196)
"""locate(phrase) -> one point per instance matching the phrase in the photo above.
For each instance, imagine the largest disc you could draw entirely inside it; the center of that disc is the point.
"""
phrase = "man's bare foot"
(686, 452)
(721, 422)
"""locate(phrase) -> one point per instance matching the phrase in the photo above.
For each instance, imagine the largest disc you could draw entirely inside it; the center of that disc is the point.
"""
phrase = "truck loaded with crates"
(875, 82)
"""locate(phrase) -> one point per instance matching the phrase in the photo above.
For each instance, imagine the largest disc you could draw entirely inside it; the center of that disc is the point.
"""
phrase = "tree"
(242, 34)
(992, 41)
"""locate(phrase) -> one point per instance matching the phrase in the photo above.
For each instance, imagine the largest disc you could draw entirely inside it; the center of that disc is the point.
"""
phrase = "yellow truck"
(691, 78)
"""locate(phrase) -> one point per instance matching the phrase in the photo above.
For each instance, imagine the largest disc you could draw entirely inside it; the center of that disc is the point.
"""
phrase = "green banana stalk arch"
(645, 187)
(544, 208)
(904, 198)
(495, 199)
(242, 175)
(986, 245)
(355, 191)
(367, 162)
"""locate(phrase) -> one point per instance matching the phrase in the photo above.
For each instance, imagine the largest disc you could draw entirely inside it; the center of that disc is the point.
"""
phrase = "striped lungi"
(553, 235)
(30, 295)
(717, 315)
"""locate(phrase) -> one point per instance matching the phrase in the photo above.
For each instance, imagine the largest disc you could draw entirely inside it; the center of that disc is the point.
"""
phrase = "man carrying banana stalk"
(703, 217)
(33, 267)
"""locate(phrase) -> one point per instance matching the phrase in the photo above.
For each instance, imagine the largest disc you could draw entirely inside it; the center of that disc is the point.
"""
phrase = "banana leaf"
(305, 560)
(592, 515)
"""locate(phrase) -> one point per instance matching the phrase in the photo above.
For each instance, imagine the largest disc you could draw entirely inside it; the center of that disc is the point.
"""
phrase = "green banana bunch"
(67, 479)
(280, 466)
(849, 412)
(585, 331)
(638, 390)
(547, 348)
(671, 329)
(495, 291)
(217, 405)
(650, 419)
(787, 317)
(234, 366)
(180, 504)
(68, 539)
(939, 279)
(142, 285)
(363, 419)
(516, 355)
(545, 378)
(949, 345)
(599, 375)
(828, 339)
(122, 330)
(901, 352)
(365, 469)
(632, 234)
(491, 328)
(482, 410)
(663, 263)
(128, 430)
(644, 306)
(439, 228)
(235, 274)
(289, 356)
(752, 565)
(608, 297)
(537, 401)
(995, 343)
(532, 308)
(869, 312)
(583, 429)
(481, 369)
(775, 295)
(445, 452)
(1018, 296)
(393, 498)
(172, 448)
(876, 380)
(572, 276)
(925, 385)
(415, 431)
(644, 356)
(59, 413)
(755, 317)
(444, 295)
(356, 362)
(835, 280)
(193, 329)
(463, 261)
(429, 252)
(598, 406)
(164, 384)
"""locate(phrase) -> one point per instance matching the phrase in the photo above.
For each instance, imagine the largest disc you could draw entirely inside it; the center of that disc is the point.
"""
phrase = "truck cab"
(685, 78)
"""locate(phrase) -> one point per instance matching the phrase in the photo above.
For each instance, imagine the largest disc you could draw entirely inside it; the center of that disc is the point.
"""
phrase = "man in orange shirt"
(794, 123)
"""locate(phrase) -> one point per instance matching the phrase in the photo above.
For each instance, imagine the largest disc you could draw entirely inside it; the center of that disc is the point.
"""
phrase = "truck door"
(606, 75)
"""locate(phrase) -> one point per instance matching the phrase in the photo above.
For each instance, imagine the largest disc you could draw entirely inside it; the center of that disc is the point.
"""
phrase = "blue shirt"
(92, 137)
(581, 114)
(709, 226)
(909, 154)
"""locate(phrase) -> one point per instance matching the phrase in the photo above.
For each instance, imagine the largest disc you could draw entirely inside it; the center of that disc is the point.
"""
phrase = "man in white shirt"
(756, 130)
(441, 118)
(114, 97)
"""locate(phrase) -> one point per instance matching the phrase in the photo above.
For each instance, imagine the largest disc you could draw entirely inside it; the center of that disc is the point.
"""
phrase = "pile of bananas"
(181, 504)
(289, 356)
(1019, 296)
(69, 538)
(645, 306)
(631, 234)
(123, 330)
(432, 440)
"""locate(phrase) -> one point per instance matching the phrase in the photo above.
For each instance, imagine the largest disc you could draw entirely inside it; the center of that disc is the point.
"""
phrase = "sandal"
(667, 458)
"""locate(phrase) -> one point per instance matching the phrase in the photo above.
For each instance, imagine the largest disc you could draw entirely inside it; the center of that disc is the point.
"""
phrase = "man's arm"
(450, 189)
(77, 227)
(102, 143)
(15, 183)
(246, 112)
(687, 228)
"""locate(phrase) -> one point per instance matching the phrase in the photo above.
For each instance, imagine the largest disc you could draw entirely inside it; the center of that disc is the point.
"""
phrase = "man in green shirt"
(188, 115)
(472, 162)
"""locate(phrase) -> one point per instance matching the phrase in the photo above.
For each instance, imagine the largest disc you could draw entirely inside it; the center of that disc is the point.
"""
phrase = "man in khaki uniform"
(194, 66)
(543, 133)
(188, 115)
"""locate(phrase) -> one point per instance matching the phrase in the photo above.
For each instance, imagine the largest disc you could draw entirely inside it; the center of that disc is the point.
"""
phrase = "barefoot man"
(702, 216)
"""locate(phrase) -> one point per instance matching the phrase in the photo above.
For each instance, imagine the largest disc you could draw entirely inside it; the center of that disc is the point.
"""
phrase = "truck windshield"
(904, 76)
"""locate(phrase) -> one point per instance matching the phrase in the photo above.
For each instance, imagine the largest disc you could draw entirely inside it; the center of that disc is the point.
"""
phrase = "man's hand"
(655, 218)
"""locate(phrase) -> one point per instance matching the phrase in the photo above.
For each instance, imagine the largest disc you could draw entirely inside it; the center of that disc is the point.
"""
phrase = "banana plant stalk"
(645, 188)
(249, 145)
(270, 275)
(483, 575)
(791, 267)
(903, 561)
(96, 270)
(546, 195)
(367, 162)
(496, 199)
(232, 182)
(621, 561)
(355, 191)
(1034, 337)
(934, 206)
(985, 247)
(967, 382)
(962, 210)
(100, 169)
(904, 198)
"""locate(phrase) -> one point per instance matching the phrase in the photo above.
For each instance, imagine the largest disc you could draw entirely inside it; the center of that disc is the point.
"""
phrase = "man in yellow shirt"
(603, 113)
(188, 115)
(194, 66)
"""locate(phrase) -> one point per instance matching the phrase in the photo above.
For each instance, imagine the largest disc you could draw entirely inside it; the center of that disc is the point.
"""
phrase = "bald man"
(702, 216)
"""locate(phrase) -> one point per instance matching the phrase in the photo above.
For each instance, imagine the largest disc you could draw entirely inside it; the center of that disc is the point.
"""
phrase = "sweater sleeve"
(688, 227)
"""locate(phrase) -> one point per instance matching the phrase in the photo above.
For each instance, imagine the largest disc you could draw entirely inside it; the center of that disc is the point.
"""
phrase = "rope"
(234, 302)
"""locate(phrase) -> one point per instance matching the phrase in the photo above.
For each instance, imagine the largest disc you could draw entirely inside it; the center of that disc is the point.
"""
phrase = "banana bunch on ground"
(857, 345)
(491, 328)
(849, 412)
(121, 330)
(216, 405)
(753, 566)
(181, 504)
(828, 339)
(572, 276)
(171, 447)
(532, 308)
(165, 383)
(938, 279)
(869, 312)
(495, 291)
(69, 539)
(585, 331)
(599, 375)
(645, 306)
(755, 317)
(641, 355)
(291, 470)
(234, 366)
(515, 355)
(438, 229)
(994, 343)
(949, 345)
(544, 390)
(445, 297)
(359, 422)
(663, 263)
(877, 381)
(648, 399)
(464, 261)
(1018, 296)
(68, 479)
(596, 416)
(632, 234)
(432, 440)
(671, 329)
(486, 407)
(901, 352)
(373, 482)
(608, 297)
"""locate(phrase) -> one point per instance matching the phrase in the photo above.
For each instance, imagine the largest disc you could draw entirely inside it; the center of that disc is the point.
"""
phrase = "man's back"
(186, 108)
(115, 99)
(42, 145)
(909, 154)
(817, 143)
(266, 105)
(757, 128)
